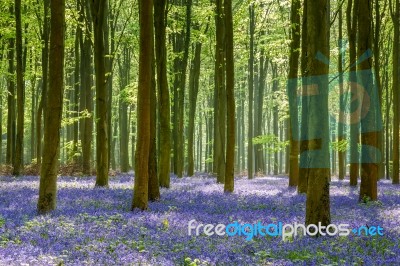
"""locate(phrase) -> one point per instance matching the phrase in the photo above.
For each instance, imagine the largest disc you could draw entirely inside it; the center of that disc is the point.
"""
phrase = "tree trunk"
(193, 91)
(86, 102)
(352, 14)
(19, 144)
(275, 118)
(293, 83)
(140, 195)
(164, 134)
(230, 99)
(318, 202)
(219, 95)
(395, 88)
(102, 162)
(181, 42)
(341, 134)
(259, 149)
(250, 173)
(10, 155)
(303, 145)
(154, 188)
(370, 154)
(52, 125)
(124, 67)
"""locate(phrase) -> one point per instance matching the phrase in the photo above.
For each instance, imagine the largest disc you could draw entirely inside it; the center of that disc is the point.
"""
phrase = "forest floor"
(94, 226)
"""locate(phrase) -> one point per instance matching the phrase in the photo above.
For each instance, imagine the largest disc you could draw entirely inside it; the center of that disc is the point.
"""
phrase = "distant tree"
(250, 168)
(52, 125)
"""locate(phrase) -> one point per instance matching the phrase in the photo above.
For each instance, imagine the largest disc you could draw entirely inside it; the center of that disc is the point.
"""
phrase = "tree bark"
(140, 195)
(164, 134)
(370, 154)
(318, 202)
(293, 82)
(230, 98)
(193, 92)
(250, 162)
(19, 144)
(395, 88)
(102, 161)
(52, 125)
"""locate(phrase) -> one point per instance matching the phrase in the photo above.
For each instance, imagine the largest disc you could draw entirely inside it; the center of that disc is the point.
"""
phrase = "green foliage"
(271, 142)
(340, 146)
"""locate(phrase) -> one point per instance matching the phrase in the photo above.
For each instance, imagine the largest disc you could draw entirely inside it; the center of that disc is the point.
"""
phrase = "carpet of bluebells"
(94, 226)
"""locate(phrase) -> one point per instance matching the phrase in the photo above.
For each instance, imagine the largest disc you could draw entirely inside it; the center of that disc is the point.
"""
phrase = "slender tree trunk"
(164, 131)
(52, 125)
(86, 103)
(341, 134)
(181, 42)
(250, 173)
(193, 91)
(19, 145)
(259, 111)
(303, 145)
(140, 195)
(219, 95)
(377, 69)
(124, 67)
(352, 14)
(102, 160)
(154, 188)
(293, 82)
(369, 139)
(230, 99)
(45, 63)
(395, 88)
(10, 153)
(77, 86)
(275, 116)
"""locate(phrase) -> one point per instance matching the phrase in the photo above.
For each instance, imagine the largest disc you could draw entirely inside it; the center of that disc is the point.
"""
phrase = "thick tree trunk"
(140, 195)
(52, 125)
(318, 202)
